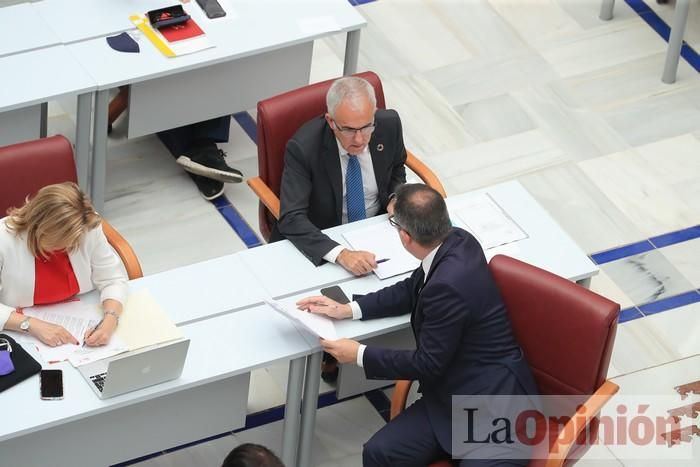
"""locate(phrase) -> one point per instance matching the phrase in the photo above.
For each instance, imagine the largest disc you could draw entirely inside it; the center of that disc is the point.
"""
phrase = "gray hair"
(349, 88)
(421, 211)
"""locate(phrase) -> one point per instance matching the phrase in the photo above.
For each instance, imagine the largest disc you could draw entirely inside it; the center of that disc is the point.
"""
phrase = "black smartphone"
(335, 293)
(51, 384)
(212, 8)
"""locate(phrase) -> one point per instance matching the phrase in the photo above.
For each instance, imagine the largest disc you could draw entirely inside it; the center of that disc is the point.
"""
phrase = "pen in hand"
(383, 260)
(92, 332)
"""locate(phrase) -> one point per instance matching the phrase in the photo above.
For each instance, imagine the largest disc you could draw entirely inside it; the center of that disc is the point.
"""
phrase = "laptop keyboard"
(99, 380)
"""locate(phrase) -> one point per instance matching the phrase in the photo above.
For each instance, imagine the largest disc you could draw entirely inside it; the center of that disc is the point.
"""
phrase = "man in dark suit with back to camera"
(464, 342)
(340, 167)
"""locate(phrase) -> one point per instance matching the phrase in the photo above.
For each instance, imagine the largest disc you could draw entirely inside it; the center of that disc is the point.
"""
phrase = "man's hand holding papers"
(321, 305)
(318, 325)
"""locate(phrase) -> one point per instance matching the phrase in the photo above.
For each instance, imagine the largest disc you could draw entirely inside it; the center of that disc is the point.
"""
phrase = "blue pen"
(383, 260)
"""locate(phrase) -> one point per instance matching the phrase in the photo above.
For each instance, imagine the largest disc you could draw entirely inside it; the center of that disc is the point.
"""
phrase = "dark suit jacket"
(311, 192)
(464, 341)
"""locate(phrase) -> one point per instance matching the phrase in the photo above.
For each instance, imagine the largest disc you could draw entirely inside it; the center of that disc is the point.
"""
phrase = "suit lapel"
(417, 315)
(331, 161)
(378, 150)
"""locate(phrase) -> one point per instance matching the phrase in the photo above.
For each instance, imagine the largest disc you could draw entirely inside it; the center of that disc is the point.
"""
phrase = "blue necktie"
(354, 193)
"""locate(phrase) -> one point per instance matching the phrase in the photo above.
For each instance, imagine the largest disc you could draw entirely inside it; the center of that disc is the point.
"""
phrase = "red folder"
(178, 32)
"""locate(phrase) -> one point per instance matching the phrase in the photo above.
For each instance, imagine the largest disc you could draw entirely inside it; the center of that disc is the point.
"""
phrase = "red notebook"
(178, 32)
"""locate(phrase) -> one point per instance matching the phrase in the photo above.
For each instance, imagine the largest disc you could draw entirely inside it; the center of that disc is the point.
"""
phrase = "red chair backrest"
(279, 117)
(566, 331)
(27, 167)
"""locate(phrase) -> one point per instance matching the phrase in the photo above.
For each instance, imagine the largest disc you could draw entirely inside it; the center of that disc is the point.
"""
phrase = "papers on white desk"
(383, 240)
(143, 322)
(76, 317)
(321, 326)
(485, 219)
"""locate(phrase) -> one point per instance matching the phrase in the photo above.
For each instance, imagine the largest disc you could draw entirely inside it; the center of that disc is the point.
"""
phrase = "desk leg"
(99, 151)
(673, 54)
(295, 385)
(44, 120)
(586, 283)
(352, 52)
(309, 407)
(82, 140)
(606, 9)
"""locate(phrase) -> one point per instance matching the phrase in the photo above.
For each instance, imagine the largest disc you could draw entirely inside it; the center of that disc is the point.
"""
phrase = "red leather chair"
(567, 333)
(279, 118)
(26, 167)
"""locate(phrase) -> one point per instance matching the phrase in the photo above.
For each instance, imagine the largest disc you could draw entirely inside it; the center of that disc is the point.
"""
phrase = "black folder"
(25, 365)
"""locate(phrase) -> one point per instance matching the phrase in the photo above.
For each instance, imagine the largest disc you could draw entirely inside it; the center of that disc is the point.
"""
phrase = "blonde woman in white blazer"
(58, 231)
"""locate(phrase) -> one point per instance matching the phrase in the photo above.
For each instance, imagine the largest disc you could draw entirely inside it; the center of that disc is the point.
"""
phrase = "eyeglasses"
(5, 345)
(396, 225)
(350, 132)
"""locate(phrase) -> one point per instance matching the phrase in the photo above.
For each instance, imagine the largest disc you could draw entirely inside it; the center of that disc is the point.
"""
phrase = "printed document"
(383, 240)
(77, 318)
(319, 325)
(487, 221)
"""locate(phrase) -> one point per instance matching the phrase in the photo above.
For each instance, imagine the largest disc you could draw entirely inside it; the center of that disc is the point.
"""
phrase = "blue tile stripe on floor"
(622, 252)
(236, 221)
(247, 122)
(670, 303)
(628, 314)
(657, 242)
(662, 29)
(679, 236)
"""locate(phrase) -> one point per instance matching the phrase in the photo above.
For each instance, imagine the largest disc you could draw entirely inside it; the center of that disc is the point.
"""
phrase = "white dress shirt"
(357, 311)
(369, 186)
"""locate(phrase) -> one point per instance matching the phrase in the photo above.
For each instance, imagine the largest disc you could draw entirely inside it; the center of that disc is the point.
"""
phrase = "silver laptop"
(130, 371)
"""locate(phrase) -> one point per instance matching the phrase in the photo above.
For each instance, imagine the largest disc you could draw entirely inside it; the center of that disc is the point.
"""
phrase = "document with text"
(321, 326)
(488, 222)
(77, 318)
(383, 240)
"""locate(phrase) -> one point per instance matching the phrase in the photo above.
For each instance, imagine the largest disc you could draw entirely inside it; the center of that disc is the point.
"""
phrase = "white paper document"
(383, 240)
(76, 317)
(321, 326)
(487, 221)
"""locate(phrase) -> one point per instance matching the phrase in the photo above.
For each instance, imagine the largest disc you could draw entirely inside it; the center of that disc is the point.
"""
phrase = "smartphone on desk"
(51, 384)
(212, 8)
(335, 293)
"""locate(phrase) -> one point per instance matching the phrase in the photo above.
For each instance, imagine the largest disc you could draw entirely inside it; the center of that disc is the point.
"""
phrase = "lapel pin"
(380, 147)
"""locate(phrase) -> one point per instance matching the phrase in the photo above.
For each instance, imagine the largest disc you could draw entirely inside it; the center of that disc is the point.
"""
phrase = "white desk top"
(205, 289)
(235, 36)
(23, 29)
(249, 339)
(77, 20)
(547, 247)
(41, 75)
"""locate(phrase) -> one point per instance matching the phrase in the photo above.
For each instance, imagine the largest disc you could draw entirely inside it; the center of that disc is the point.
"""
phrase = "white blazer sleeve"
(107, 273)
(5, 310)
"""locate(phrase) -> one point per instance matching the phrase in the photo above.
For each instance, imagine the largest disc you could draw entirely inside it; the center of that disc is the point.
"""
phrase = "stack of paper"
(485, 219)
(144, 323)
(321, 326)
(383, 240)
(77, 318)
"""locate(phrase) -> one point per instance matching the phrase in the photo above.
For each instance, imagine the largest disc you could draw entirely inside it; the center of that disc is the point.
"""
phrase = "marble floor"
(539, 91)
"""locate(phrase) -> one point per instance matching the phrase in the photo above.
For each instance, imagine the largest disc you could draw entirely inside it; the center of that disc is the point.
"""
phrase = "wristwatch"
(24, 325)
